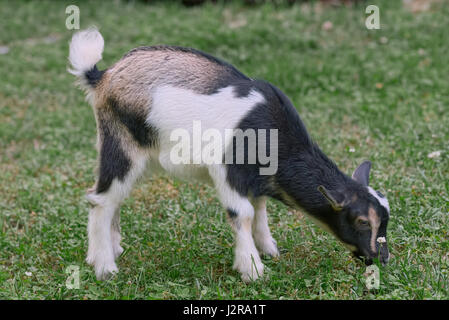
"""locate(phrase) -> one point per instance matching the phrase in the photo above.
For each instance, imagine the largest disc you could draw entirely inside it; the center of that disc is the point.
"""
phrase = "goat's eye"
(362, 223)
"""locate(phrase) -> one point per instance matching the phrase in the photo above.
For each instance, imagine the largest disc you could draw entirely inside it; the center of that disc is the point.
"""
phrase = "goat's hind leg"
(120, 166)
(100, 252)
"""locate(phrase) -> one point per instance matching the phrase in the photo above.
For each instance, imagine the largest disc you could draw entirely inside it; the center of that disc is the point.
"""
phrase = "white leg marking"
(103, 226)
(261, 232)
(100, 253)
(247, 260)
(115, 234)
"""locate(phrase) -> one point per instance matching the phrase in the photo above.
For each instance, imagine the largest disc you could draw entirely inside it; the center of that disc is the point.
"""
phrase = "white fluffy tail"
(86, 48)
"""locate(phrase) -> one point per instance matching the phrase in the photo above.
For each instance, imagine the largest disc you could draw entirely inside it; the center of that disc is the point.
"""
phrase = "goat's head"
(359, 217)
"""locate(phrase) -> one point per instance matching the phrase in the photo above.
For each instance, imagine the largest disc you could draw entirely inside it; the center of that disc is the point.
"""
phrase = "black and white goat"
(153, 91)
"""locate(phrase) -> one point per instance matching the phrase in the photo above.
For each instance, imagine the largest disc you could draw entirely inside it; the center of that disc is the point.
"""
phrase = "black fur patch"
(113, 161)
(302, 167)
(276, 113)
(93, 76)
(242, 88)
(144, 134)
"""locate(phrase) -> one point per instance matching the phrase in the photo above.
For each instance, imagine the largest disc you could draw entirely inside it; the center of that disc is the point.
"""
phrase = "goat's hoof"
(249, 270)
(269, 248)
(106, 272)
(118, 250)
(253, 275)
(273, 251)
(105, 266)
(90, 260)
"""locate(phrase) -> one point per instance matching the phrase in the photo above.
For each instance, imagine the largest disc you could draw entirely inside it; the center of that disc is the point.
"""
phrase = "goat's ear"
(329, 197)
(361, 174)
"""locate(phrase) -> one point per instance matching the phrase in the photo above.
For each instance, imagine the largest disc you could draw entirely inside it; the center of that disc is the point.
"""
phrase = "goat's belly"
(160, 163)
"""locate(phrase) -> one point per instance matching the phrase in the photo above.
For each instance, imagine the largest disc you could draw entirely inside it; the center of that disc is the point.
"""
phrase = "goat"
(141, 100)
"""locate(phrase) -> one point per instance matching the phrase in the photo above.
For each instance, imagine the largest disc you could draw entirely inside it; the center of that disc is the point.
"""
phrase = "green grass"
(363, 94)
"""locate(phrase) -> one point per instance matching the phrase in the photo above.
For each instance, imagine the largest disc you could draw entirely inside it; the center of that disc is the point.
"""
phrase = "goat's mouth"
(359, 255)
(369, 260)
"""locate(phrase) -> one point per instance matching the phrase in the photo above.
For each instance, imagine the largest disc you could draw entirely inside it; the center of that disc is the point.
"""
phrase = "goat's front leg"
(261, 232)
(241, 213)
(247, 260)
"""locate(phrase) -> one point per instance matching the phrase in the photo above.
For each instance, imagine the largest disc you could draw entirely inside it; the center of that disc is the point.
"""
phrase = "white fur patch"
(247, 260)
(261, 232)
(383, 201)
(86, 49)
(176, 108)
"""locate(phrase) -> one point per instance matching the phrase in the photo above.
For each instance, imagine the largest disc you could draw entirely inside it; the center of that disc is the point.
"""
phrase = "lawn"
(363, 94)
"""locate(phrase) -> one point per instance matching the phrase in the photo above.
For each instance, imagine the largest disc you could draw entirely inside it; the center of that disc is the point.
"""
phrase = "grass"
(376, 94)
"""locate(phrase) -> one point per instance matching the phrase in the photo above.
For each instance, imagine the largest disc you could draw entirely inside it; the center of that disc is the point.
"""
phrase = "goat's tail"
(86, 49)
